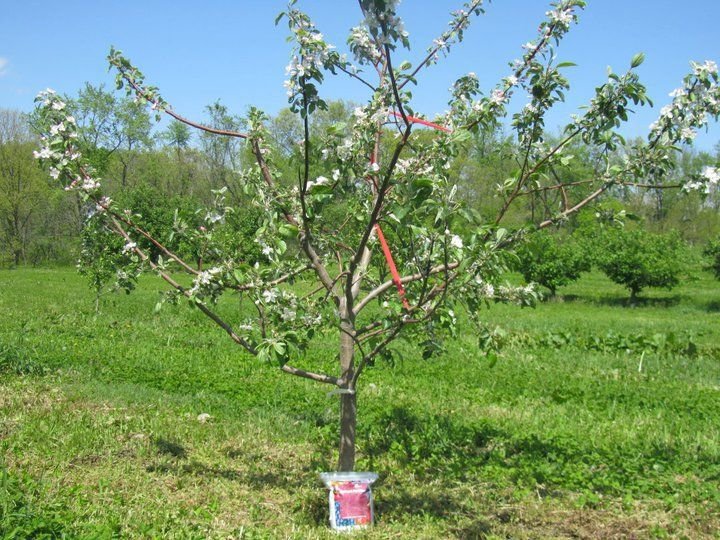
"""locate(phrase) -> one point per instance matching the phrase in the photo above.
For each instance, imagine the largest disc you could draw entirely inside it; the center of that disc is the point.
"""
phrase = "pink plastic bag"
(350, 497)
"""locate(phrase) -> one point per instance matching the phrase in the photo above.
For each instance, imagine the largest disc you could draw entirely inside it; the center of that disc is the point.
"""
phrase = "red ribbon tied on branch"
(381, 237)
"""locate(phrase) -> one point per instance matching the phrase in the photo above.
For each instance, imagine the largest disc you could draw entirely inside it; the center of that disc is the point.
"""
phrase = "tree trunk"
(348, 402)
(634, 296)
(348, 419)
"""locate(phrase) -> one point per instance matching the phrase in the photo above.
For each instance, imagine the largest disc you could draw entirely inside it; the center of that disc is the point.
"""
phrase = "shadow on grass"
(443, 503)
(400, 502)
(169, 448)
(422, 457)
(623, 301)
(436, 447)
(713, 307)
(279, 477)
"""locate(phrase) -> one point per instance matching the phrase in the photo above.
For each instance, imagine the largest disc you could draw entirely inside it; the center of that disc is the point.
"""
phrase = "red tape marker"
(381, 237)
(415, 120)
(391, 265)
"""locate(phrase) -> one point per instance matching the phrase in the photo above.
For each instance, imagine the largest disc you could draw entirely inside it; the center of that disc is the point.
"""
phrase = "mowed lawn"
(598, 420)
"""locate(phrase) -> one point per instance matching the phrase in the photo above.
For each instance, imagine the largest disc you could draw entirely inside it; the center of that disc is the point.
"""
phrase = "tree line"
(171, 172)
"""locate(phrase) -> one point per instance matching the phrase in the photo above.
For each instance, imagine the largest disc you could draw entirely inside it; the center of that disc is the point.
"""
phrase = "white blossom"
(270, 296)
(288, 315)
(44, 153)
(562, 17)
(319, 181)
(57, 128)
(90, 184)
(213, 217)
(687, 133)
(711, 174)
(103, 204)
(498, 96)
(678, 92)
(709, 67)
(204, 278)
(363, 46)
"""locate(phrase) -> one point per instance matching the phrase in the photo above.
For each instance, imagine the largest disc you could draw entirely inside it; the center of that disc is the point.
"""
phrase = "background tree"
(223, 154)
(551, 260)
(712, 252)
(638, 259)
(111, 127)
(23, 186)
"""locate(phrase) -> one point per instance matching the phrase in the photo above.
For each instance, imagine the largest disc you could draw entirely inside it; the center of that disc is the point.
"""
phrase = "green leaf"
(288, 231)
(337, 129)
(492, 359)
(460, 136)
(638, 59)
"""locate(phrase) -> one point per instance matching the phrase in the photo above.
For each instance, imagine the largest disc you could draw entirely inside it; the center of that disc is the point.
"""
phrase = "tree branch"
(594, 195)
(201, 306)
(436, 49)
(377, 291)
(319, 377)
(167, 110)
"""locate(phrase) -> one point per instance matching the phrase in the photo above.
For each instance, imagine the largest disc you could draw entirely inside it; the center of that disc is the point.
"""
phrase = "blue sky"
(231, 50)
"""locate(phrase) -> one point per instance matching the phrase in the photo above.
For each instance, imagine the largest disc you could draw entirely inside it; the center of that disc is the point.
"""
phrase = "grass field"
(599, 420)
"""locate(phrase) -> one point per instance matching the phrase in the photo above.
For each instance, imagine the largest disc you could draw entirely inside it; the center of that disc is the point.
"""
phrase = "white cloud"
(3, 65)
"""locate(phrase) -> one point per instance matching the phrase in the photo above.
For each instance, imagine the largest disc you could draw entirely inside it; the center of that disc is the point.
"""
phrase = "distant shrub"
(712, 251)
(638, 259)
(551, 261)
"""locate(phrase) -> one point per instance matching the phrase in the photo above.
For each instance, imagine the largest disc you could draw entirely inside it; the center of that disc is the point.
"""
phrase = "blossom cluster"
(133, 80)
(59, 147)
(207, 283)
(547, 84)
(456, 29)
(383, 23)
(310, 57)
(363, 46)
(698, 97)
(563, 15)
(707, 180)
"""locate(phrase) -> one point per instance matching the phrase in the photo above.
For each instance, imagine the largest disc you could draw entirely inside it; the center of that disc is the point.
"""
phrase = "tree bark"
(348, 402)
(348, 419)
(634, 296)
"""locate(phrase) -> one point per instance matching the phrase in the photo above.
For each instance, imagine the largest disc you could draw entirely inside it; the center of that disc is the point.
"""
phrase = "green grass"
(598, 420)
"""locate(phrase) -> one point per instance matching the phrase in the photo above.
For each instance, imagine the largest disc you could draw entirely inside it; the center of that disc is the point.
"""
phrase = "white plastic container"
(350, 497)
